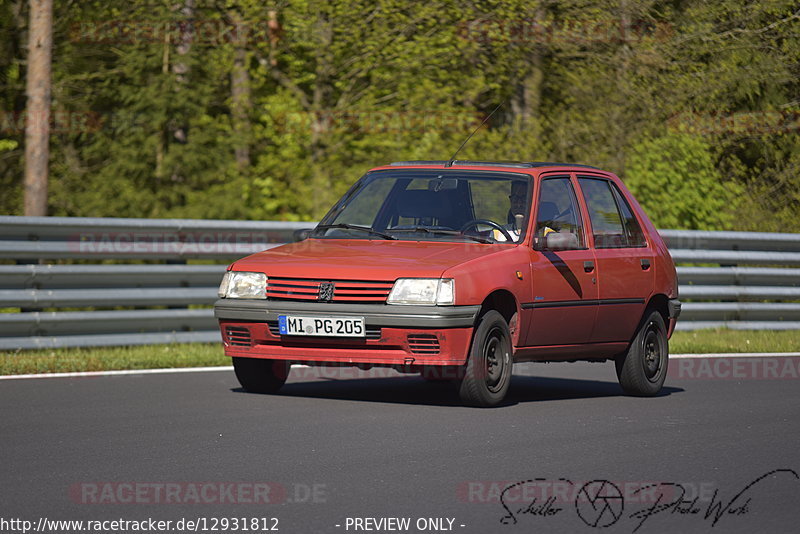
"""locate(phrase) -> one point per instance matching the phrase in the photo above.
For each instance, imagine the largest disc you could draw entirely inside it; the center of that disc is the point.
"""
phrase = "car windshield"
(432, 205)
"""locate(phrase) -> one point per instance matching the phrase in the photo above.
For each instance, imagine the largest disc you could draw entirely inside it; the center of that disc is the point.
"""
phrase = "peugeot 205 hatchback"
(456, 270)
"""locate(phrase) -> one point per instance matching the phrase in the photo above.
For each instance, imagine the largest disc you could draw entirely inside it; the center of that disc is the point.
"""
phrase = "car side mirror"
(300, 235)
(560, 241)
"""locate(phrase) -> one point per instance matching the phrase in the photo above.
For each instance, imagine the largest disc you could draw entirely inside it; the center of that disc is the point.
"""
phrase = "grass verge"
(210, 354)
(724, 340)
(106, 358)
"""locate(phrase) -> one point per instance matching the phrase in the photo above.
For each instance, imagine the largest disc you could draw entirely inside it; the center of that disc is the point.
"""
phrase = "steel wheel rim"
(652, 353)
(495, 353)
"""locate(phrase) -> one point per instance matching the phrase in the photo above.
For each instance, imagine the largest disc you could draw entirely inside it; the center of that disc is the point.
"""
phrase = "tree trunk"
(526, 99)
(240, 100)
(321, 117)
(37, 117)
(622, 87)
(161, 144)
(179, 68)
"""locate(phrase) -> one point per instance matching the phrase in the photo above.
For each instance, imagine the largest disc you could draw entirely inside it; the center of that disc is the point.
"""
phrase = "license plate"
(294, 325)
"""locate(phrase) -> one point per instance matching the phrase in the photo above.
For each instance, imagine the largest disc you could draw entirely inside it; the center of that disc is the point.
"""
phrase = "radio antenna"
(489, 116)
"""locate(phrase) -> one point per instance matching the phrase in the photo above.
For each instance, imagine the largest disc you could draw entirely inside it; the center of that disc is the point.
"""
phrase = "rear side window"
(613, 222)
(633, 232)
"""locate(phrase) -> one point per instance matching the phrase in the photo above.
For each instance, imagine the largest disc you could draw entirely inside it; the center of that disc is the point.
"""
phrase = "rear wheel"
(487, 374)
(257, 375)
(642, 369)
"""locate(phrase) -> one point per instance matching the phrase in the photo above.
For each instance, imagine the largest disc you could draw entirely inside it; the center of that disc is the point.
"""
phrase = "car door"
(625, 264)
(564, 286)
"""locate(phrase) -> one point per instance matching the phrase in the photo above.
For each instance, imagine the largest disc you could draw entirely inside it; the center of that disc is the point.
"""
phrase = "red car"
(456, 270)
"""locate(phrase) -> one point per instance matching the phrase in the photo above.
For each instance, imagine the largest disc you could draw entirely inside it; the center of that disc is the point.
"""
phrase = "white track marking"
(230, 368)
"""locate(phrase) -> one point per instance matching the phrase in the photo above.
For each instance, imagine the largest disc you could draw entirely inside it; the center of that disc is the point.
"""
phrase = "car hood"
(364, 259)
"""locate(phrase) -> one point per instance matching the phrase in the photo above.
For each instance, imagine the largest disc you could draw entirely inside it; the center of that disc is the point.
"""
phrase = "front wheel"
(642, 368)
(257, 375)
(488, 371)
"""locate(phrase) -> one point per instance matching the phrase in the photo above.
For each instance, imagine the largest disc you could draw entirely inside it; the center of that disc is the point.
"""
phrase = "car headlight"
(243, 285)
(423, 291)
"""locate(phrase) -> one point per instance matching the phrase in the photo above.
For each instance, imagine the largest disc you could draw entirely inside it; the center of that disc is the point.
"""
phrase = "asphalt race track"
(342, 453)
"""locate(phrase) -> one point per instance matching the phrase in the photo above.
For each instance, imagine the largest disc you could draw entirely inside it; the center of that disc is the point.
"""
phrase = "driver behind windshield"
(516, 214)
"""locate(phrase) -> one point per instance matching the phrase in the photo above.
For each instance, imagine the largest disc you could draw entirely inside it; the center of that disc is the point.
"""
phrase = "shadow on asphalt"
(415, 390)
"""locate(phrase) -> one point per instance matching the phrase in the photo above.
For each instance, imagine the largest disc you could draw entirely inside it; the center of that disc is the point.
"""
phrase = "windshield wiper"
(479, 239)
(425, 229)
(366, 229)
(440, 231)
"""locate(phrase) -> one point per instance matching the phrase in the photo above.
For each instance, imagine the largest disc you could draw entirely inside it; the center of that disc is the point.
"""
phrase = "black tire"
(257, 375)
(642, 368)
(487, 374)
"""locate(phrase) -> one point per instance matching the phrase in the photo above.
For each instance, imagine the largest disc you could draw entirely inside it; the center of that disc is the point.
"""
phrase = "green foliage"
(74, 360)
(694, 103)
(678, 184)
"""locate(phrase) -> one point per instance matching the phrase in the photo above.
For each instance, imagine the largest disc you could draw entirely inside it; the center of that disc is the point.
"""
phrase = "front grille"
(373, 332)
(423, 343)
(343, 290)
(238, 336)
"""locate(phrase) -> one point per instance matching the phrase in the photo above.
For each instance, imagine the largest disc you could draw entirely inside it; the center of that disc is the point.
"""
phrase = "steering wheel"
(487, 222)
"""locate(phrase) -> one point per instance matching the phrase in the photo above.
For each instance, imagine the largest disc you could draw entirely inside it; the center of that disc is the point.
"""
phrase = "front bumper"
(396, 335)
(674, 310)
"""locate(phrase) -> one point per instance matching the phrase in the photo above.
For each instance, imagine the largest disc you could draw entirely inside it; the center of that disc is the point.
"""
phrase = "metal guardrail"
(736, 241)
(750, 279)
(748, 286)
(34, 238)
(102, 287)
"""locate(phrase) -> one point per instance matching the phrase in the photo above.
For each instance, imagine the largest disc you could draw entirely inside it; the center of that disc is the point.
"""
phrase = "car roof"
(502, 164)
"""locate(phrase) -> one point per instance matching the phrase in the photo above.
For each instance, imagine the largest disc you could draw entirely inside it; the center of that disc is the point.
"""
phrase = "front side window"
(558, 214)
(613, 223)
(428, 205)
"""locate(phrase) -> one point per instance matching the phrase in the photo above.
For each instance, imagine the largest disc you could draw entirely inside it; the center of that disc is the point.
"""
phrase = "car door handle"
(588, 266)
(645, 264)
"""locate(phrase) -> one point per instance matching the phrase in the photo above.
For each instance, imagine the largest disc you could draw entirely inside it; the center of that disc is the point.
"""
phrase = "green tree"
(675, 178)
(164, 110)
